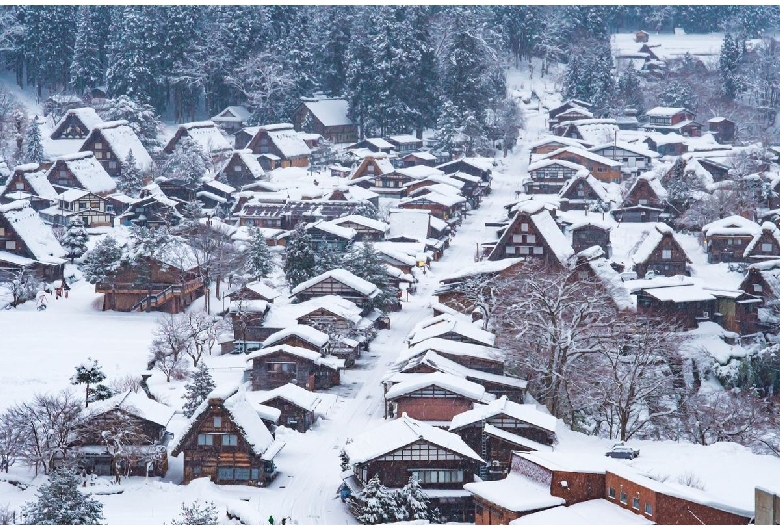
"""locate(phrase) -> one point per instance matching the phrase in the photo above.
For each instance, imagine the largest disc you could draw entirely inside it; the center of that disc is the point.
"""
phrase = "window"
(478, 509)
(602, 170)
(20, 185)
(10, 245)
(510, 250)
(280, 368)
(517, 238)
(2, 231)
(666, 254)
(642, 202)
(225, 473)
(729, 241)
(420, 451)
(196, 470)
(757, 287)
(205, 439)
(438, 476)
(530, 238)
(255, 473)
(112, 165)
(538, 251)
(524, 250)
(241, 473)
(98, 154)
(98, 145)
(524, 227)
(623, 497)
(767, 247)
(230, 440)
(648, 508)
(237, 169)
(63, 173)
(611, 493)
(635, 503)
(217, 421)
(82, 205)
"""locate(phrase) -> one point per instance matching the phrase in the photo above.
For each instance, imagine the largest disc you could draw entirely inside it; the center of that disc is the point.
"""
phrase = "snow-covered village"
(390, 264)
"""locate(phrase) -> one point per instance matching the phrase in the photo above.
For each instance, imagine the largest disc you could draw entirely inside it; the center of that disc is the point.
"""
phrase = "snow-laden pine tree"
(364, 262)
(187, 163)
(197, 513)
(259, 262)
(629, 90)
(327, 259)
(447, 131)
(141, 117)
(197, 390)
(344, 460)
(677, 93)
(59, 502)
(92, 376)
(130, 181)
(300, 261)
(375, 504)
(33, 145)
(101, 264)
(415, 501)
(75, 240)
(86, 69)
(728, 66)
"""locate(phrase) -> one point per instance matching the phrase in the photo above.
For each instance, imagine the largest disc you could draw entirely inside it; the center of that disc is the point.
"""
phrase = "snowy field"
(705, 46)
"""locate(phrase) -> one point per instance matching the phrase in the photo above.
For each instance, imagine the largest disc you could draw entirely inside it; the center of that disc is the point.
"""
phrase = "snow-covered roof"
(404, 138)
(569, 462)
(399, 433)
(330, 112)
(294, 394)
(234, 113)
(608, 277)
(88, 171)
(295, 351)
(584, 154)
(596, 185)
(287, 141)
(555, 139)
(422, 155)
(732, 225)
(454, 348)
(250, 161)
(515, 493)
(435, 197)
(86, 115)
(555, 239)
(35, 178)
(243, 416)
(525, 413)
(207, 135)
(664, 112)
(37, 236)
(596, 512)
(419, 172)
(409, 223)
(180, 255)
(287, 315)
(634, 148)
(452, 383)
(307, 333)
(248, 306)
(681, 294)
(262, 289)
(362, 221)
(136, 403)
(515, 439)
(594, 131)
(481, 267)
(452, 325)
(546, 162)
(122, 139)
(333, 228)
(342, 276)
(766, 228)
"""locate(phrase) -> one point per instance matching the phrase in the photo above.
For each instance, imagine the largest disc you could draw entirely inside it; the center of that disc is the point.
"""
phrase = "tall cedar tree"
(86, 69)
(33, 145)
(130, 181)
(59, 502)
(364, 263)
(197, 390)
(300, 261)
(259, 262)
(91, 376)
(187, 163)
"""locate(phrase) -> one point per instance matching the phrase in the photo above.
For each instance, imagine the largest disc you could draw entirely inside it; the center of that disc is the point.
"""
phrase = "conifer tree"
(187, 163)
(300, 261)
(728, 65)
(375, 504)
(629, 90)
(59, 502)
(364, 263)
(130, 181)
(92, 377)
(416, 502)
(259, 262)
(86, 69)
(33, 145)
(447, 128)
(197, 390)
(100, 265)
(140, 117)
(75, 240)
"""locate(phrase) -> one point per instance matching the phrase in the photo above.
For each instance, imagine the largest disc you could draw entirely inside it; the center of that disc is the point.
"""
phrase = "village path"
(305, 490)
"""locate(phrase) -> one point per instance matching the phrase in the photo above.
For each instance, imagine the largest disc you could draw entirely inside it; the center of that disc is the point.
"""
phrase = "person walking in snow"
(271, 519)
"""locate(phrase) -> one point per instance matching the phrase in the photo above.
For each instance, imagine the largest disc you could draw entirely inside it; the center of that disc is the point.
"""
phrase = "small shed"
(641, 36)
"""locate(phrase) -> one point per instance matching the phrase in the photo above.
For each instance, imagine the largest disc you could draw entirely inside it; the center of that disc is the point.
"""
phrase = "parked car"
(622, 451)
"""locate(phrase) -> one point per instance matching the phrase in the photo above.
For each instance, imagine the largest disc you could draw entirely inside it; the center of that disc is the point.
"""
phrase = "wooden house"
(479, 167)
(538, 481)
(168, 282)
(328, 235)
(602, 168)
(763, 280)
(548, 144)
(80, 170)
(571, 115)
(718, 171)
(79, 205)
(300, 336)
(207, 136)
(278, 365)
(668, 503)
(153, 211)
(287, 214)
(641, 36)
(667, 120)
(28, 182)
(588, 233)
(226, 441)
(76, 124)
(472, 355)
(567, 106)
(439, 460)
(405, 144)
(727, 239)
(248, 317)
(681, 305)
(339, 282)
(278, 145)
(240, 169)
(375, 145)
(645, 202)
(213, 193)
(661, 253)
(26, 242)
(549, 176)
(582, 192)
(723, 129)
(452, 328)
(419, 158)
(765, 245)
(144, 423)
(533, 234)
(497, 429)
(445, 207)
(327, 117)
(256, 290)
(232, 119)
(297, 406)
(633, 157)
(736, 310)
(673, 146)
(366, 229)
(111, 143)
(433, 396)
(592, 131)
